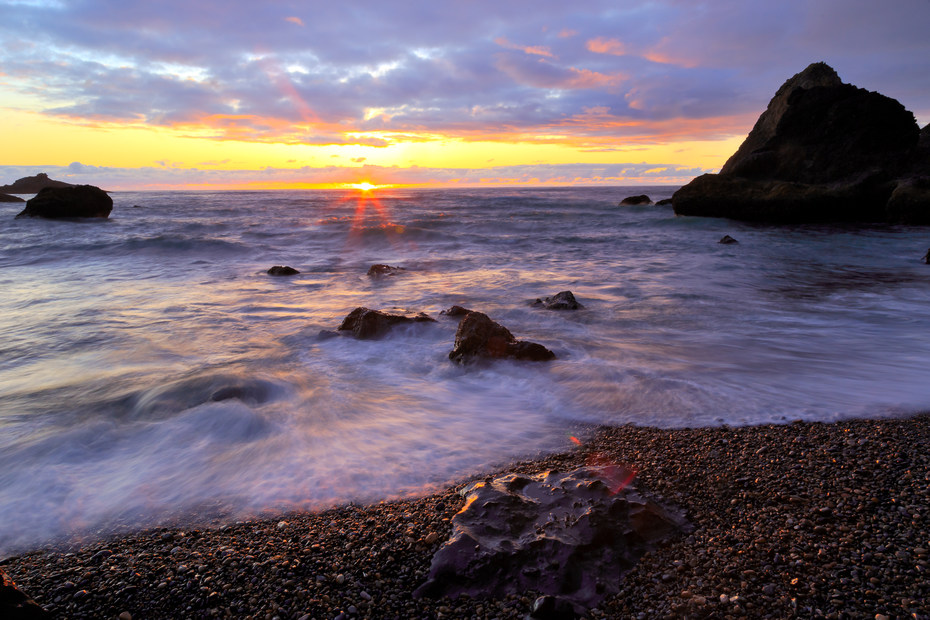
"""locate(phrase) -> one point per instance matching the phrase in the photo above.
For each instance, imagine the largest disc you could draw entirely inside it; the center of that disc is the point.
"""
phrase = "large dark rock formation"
(68, 202)
(822, 151)
(16, 605)
(570, 535)
(365, 323)
(478, 337)
(32, 185)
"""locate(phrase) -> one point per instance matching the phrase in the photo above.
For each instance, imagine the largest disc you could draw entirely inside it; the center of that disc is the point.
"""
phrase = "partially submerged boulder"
(822, 151)
(478, 337)
(560, 301)
(455, 311)
(282, 270)
(570, 535)
(641, 199)
(727, 240)
(384, 270)
(365, 323)
(78, 201)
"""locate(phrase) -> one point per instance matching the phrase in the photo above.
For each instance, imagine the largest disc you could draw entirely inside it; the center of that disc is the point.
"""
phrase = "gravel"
(793, 521)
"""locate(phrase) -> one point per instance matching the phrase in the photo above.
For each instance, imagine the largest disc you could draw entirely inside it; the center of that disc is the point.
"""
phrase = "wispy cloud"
(377, 73)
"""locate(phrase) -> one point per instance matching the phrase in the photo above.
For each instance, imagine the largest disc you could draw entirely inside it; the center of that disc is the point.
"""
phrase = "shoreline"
(808, 519)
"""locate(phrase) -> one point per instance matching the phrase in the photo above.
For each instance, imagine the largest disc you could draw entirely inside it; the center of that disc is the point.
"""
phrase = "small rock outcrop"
(455, 311)
(77, 201)
(384, 270)
(560, 301)
(664, 202)
(16, 605)
(823, 151)
(479, 337)
(365, 323)
(567, 535)
(32, 185)
(642, 199)
(282, 270)
(8, 198)
(727, 240)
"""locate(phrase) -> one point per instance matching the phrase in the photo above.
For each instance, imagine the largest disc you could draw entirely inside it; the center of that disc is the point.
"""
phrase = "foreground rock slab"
(16, 605)
(79, 201)
(570, 535)
(478, 337)
(366, 323)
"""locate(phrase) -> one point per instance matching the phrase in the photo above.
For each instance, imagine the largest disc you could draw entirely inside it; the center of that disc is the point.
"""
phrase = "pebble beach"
(803, 520)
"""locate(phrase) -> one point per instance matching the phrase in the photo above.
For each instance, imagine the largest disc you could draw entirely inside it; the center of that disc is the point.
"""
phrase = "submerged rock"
(926, 258)
(568, 535)
(642, 199)
(727, 240)
(384, 270)
(560, 301)
(282, 270)
(478, 336)
(822, 151)
(84, 201)
(16, 605)
(455, 311)
(366, 323)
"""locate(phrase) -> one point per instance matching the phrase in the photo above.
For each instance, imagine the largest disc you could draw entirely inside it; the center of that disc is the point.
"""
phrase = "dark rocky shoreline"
(791, 521)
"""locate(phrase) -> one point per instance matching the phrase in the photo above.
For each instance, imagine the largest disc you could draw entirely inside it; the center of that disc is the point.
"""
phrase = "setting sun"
(364, 186)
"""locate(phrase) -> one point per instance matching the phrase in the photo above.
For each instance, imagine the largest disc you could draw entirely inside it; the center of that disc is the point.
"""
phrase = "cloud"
(242, 70)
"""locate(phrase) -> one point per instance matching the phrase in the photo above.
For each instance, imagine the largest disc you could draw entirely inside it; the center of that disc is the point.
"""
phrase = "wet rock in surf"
(571, 535)
(78, 201)
(926, 258)
(664, 202)
(642, 199)
(384, 270)
(727, 240)
(366, 323)
(15, 604)
(282, 270)
(560, 301)
(8, 198)
(455, 311)
(478, 337)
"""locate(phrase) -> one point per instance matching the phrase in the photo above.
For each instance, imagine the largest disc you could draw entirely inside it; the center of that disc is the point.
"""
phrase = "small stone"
(431, 538)
(282, 270)
(340, 579)
(125, 616)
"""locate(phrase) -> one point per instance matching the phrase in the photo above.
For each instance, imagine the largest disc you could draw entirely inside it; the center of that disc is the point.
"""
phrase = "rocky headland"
(32, 185)
(823, 151)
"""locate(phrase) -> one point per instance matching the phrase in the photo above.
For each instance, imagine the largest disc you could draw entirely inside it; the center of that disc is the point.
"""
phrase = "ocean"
(116, 335)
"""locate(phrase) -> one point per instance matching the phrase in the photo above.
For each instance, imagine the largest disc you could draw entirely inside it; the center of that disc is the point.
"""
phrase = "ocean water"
(115, 336)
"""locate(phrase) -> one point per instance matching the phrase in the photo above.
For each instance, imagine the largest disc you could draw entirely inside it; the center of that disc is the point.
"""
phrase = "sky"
(248, 94)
